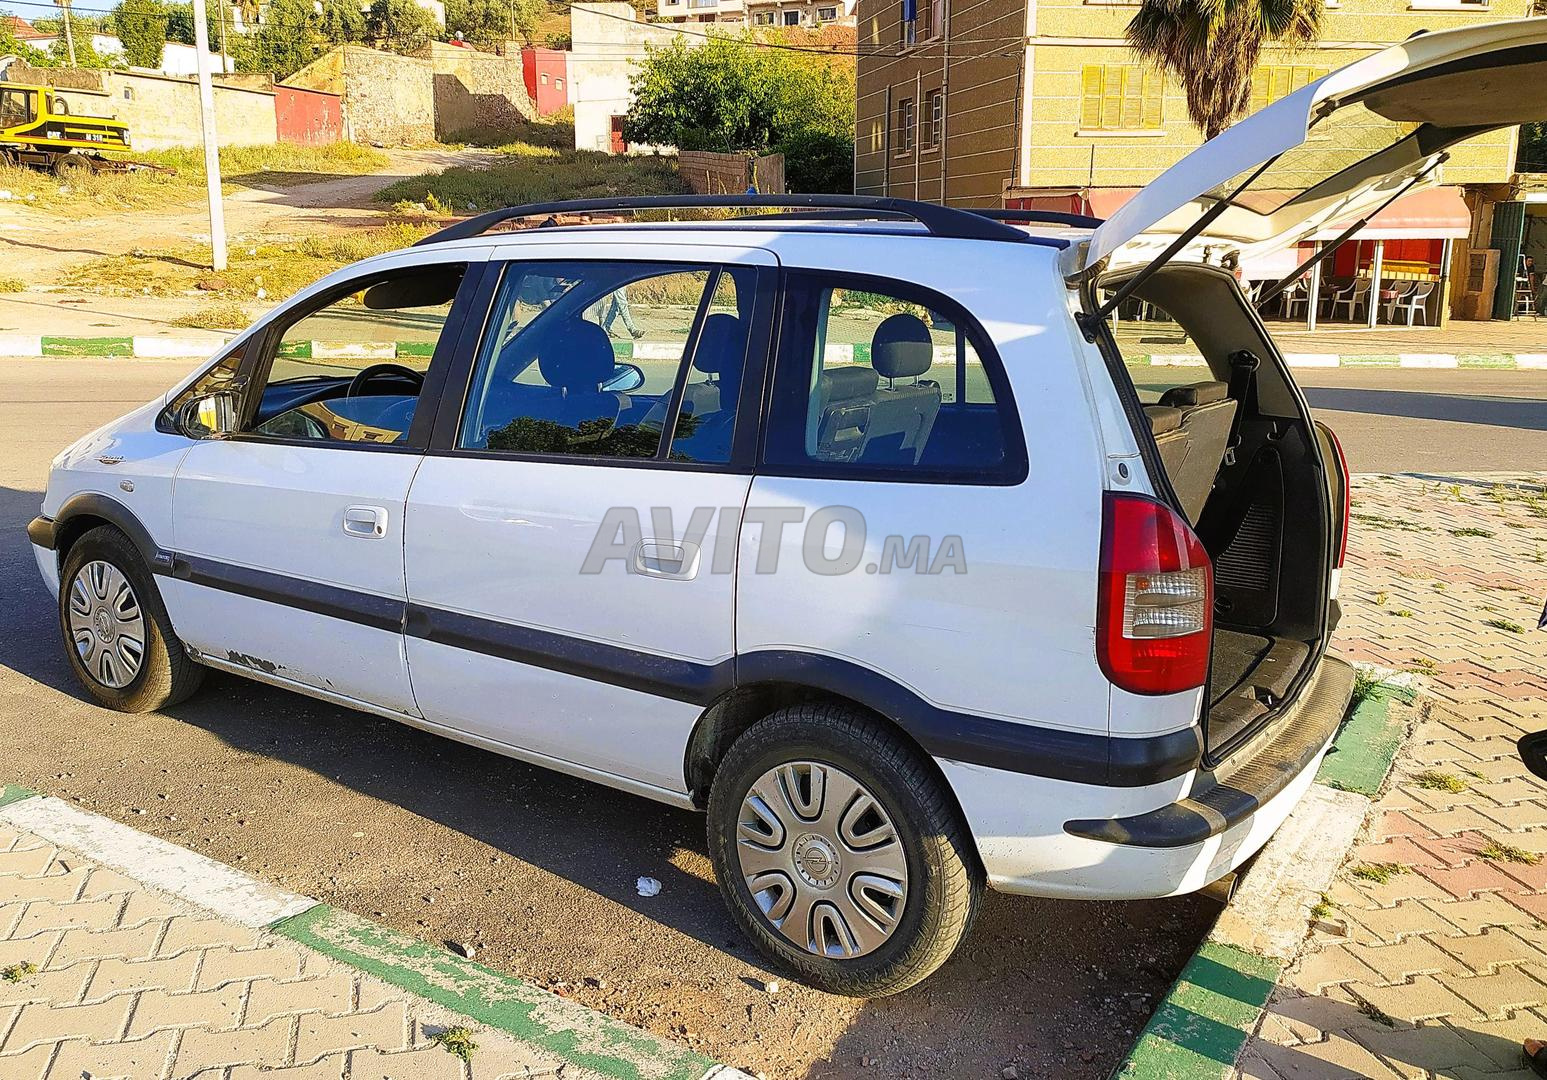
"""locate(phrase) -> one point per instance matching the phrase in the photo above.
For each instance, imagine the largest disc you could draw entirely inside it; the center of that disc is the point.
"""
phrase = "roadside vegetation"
(537, 165)
(281, 164)
(262, 273)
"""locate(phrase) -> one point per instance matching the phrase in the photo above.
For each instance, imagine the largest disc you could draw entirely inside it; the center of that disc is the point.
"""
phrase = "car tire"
(829, 869)
(109, 611)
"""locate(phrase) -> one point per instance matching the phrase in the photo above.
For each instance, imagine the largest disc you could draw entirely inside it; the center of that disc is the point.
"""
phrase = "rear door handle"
(673, 559)
(366, 522)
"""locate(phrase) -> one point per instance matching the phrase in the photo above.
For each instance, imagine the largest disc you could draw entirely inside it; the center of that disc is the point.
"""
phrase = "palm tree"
(1211, 47)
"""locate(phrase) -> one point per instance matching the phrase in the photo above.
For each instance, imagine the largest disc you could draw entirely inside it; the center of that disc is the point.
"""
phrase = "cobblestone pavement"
(101, 978)
(1432, 959)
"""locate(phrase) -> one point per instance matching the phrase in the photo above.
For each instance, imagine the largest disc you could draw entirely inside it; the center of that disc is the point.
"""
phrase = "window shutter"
(1154, 100)
(1090, 97)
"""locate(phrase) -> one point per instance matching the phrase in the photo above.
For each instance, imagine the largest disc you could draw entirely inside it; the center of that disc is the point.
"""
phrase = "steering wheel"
(376, 371)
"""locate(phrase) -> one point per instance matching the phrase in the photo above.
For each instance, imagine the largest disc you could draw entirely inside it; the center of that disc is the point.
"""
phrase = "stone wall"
(162, 111)
(476, 91)
(402, 100)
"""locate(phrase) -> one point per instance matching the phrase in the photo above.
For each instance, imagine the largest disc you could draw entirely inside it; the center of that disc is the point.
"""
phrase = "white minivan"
(846, 523)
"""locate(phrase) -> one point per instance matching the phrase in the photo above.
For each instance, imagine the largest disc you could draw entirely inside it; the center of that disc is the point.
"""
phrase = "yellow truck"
(36, 129)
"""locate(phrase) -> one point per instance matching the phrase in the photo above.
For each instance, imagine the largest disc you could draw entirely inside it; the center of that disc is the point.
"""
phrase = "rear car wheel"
(840, 852)
(116, 631)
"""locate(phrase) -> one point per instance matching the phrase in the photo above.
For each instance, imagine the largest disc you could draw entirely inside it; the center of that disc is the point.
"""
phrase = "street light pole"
(217, 217)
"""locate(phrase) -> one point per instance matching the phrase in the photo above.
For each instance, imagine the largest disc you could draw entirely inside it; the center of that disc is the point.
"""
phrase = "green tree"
(400, 26)
(1533, 148)
(285, 42)
(485, 23)
(731, 94)
(142, 27)
(1211, 47)
(341, 22)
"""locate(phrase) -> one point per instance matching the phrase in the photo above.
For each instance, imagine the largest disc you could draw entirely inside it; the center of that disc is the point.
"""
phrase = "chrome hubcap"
(822, 859)
(106, 624)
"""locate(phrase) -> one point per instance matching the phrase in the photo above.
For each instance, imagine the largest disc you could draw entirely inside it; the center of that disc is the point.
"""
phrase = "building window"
(558, 84)
(922, 20)
(543, 78)
(792, 18)
(1273, 81)
(905, 117)
(909, 22)
(1120, 97)
(936, 119)
(826, 14)
(762, 18)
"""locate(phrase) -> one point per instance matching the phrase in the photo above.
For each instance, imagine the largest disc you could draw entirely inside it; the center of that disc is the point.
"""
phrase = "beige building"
(757, 13)
(1040, 104)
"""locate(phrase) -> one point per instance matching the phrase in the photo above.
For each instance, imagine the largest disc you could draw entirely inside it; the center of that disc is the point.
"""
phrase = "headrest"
(721, 345)
(1163, 418)
(579, 356)
(902, 347)
(850, 381)
(1204, 393)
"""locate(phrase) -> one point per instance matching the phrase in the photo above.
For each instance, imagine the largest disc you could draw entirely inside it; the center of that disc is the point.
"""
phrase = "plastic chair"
(1297, 294)
(1390, 298)
(1357, 295)
(1332, 293)
(1416, 304)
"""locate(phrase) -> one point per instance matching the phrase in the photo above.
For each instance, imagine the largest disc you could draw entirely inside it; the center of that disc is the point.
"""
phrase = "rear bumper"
(1043, 837)
(1252, 778)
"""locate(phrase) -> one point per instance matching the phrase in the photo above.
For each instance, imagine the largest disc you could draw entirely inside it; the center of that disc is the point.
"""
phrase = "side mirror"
(213, 416)
(625, 379)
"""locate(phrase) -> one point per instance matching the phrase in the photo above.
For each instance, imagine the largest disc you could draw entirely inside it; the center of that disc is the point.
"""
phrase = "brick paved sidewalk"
(102, 977)
(1441, 966)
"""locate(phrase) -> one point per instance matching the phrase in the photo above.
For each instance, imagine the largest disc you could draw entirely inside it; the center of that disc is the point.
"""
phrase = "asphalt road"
(537, 870)
(534, 869)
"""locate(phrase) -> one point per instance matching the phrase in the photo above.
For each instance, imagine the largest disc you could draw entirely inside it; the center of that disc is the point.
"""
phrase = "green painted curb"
(1204, 1021)
(580, 1035)
(12, 793)
(88, 346)
(1486, 360)
(1366, 745)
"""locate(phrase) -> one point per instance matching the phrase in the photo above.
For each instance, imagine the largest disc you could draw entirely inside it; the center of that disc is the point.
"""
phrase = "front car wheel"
(116, 631)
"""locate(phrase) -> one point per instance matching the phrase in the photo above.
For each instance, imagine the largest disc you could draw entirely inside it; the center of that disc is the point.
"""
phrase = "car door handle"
(673, 559)
(366, 522)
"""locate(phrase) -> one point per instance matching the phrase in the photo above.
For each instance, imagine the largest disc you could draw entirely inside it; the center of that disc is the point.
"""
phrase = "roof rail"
(1042, 217)
(941, 221)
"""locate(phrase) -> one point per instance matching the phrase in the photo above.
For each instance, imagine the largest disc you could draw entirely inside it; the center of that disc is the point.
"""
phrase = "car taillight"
(1155, 612)
(1345, 483)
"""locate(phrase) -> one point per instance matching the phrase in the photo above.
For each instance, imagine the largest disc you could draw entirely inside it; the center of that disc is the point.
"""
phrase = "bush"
(729, 94)
(818, 162)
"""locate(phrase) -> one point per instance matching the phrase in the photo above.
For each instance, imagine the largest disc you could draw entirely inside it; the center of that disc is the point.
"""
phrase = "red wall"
(552, 95)
(1355, 255)
(308, 117)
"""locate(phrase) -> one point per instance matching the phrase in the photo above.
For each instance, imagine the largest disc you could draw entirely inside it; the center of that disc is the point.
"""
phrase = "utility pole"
(225, 61)
(217, 217)
(69, 34)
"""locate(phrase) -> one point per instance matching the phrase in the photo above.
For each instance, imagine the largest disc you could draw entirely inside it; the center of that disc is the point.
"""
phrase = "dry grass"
(1433, 780)
(538, 165)
(1379, 873)
(240, 166)
(265, 272)
(1499, 852)
(215, 315)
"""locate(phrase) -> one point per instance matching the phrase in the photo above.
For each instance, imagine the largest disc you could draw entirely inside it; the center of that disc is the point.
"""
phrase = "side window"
(875, 378)
(595, 358)
(351, 370)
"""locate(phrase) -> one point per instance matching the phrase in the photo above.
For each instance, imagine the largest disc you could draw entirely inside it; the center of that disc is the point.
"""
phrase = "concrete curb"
(591, 1042)
(154, 347)
(1199, 1027)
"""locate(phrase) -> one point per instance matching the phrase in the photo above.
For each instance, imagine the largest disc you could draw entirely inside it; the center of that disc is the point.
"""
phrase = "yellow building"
(1040, 104)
